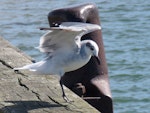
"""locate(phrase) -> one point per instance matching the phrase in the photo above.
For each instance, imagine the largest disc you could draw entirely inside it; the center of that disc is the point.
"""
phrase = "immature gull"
(65, 50)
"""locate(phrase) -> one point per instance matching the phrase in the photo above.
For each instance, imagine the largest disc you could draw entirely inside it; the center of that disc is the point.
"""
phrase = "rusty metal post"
(91, 80)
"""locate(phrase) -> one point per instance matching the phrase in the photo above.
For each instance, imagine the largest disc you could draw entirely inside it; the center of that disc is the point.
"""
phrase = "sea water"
(126, 35)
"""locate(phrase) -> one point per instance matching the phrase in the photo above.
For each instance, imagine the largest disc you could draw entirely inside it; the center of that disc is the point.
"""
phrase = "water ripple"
(125, 28)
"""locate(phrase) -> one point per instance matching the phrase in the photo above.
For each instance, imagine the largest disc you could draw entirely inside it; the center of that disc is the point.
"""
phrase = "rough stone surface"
(24, 92)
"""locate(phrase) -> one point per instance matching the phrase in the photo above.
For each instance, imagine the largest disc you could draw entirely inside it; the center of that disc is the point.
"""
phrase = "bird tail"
(35, 67)
(26, 67)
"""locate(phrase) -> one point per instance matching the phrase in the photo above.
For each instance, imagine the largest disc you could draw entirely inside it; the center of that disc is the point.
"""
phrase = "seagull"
(64, 50)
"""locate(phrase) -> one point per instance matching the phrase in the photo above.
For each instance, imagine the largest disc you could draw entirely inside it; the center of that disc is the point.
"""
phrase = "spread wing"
(65, 37)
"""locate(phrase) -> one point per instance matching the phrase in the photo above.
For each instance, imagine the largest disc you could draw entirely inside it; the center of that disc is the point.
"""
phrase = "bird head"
(93, 48)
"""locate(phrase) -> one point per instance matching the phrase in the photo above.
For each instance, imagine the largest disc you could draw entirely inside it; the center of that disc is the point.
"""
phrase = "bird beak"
(98, 60)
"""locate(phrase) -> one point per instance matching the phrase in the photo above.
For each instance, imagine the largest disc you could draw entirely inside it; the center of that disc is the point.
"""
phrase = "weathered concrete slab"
(28, 93)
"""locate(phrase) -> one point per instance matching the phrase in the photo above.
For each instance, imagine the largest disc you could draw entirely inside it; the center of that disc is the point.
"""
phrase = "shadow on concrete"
(25, 106)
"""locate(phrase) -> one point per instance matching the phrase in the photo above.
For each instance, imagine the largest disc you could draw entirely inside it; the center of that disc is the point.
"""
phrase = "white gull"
(65, 50)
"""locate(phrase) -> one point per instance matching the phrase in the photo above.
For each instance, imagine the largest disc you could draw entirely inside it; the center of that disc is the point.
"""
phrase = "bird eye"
(90, 46)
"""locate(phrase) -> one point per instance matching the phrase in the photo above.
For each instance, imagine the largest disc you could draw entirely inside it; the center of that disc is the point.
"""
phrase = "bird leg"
(63, 92)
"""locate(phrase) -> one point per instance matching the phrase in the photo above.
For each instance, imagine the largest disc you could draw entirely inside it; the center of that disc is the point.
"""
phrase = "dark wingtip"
(16, 71)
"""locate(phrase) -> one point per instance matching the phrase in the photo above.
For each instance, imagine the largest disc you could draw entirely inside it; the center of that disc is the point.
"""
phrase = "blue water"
(126, 34)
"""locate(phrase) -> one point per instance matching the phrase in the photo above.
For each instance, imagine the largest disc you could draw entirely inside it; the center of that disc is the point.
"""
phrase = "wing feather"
(66, 36)
(78, 26)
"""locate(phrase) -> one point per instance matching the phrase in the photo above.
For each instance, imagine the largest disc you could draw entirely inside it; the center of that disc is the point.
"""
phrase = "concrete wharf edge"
(27, 93)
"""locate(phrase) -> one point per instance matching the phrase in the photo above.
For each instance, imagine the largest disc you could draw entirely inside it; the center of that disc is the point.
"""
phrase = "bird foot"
(67, 99)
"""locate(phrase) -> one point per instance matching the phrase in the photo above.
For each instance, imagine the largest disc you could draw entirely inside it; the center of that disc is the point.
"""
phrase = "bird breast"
(75, 62)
